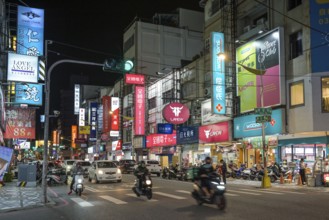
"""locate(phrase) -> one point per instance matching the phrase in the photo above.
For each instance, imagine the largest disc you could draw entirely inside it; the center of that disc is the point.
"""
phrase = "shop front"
(127, 151)
(249, 135)
(117, 153)
(139, 152)
(187, 142)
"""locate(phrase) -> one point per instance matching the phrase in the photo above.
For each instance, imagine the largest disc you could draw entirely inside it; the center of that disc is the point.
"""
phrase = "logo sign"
(28, 94)
(139, 110)
(76, 99)
(30, 36)
(93, 120)
(165, 128)
(136, 79)
(82, 117)
(176, 113)
(188, 134)
(159, 140)
(22, 68)
(214, 133)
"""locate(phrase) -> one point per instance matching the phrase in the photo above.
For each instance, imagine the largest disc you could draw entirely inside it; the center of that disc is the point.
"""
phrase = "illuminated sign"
(136, 79)
(176, 113)
(76, 99)
(139, 110)
(30, 94)
(82, 117)
(22, 68)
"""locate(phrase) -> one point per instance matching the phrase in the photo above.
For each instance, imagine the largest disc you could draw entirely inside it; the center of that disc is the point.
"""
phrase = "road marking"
(249, 193)
(263, 191)
(114, 200)
(134, 195)
(183, 191)
(82, 202)
(91, 189)
(230, 194)
(300, 193)
(169, 195)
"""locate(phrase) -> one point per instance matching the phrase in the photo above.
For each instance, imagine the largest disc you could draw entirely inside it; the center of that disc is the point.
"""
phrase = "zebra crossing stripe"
(230, 194)
(42, 70)
(183, 191)
(134, 195)
(114, 200)
(92, 189)
(249, 193)
(82, 202)
(263, 191)
(169, 195)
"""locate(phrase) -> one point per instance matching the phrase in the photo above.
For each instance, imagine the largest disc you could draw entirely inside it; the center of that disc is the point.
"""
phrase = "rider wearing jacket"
(204, 172)
(141, 168)
(77, 169)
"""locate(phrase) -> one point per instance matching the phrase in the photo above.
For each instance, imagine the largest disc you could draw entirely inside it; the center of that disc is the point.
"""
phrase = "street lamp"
(266, 183)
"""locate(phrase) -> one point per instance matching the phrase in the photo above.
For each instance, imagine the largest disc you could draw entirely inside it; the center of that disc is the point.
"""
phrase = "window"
(152, 103)
(167, 96)
(296, 45)
(325, 94)
(293, 4)
(297, 94)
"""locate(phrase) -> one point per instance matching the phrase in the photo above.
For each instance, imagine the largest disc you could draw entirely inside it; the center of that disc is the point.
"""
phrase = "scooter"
(165, 172)
(218, 189)
(78, 183)
(56, 177)
(146, 188)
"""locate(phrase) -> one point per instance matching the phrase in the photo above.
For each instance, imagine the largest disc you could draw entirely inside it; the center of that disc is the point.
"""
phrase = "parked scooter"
(78, 183)
(218, 189)
(56, 176)
(146, 188)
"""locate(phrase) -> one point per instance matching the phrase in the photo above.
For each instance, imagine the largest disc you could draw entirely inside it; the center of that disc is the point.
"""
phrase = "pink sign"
(176, 113)
(139, 110)
(214, 133)
(134, 79)
(159, 140)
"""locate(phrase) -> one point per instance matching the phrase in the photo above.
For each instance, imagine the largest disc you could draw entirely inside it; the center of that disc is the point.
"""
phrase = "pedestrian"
(224, 170)
(302, 171)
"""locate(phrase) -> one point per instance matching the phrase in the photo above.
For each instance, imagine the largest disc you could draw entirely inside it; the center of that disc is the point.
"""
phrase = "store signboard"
(136, 79)
(22, 68)
(139, 123)
(30, 94)
(165, 128)
(76, 99)
(20, 123)
(187, 134)
(5, 160)
(160, 140)
(106, 101)
(82, 117)
(176, 113)
(93, 120)
(214, 133)
(115, 104)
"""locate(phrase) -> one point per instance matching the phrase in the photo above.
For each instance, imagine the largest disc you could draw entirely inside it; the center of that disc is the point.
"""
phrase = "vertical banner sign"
(115, 104)
(106, 101)
(5, 160)
(30, 25)
(74, 135)
(55, 137)
(20, 123)
(30, 94)
(82, 117)
(218, 74)
(76, 99)
(93, 121)
(139, 110)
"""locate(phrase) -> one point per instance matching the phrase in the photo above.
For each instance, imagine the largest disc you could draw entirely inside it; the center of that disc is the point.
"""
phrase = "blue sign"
(30, 94)
(165, 128)
(93, 121)
(5, 159)
(319, 17)
(30, 26)
(246, 126)
(218, 74)
(188, 135)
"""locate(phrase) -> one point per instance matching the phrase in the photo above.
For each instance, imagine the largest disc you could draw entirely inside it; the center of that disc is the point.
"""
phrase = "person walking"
(302, 167)
(224, 170)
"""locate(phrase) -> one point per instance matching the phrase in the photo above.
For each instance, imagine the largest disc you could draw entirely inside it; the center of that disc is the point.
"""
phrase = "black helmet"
(142, 162)
(208, 160)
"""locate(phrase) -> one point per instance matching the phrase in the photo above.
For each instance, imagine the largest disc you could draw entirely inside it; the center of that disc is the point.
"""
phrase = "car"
(127, 166)
(85, 165)
(67, 165)
(104, 170)
(153, 166)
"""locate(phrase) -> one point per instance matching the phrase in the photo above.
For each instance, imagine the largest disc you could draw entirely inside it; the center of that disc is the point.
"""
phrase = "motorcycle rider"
(77, 169)
(203, 174)
(141, 168)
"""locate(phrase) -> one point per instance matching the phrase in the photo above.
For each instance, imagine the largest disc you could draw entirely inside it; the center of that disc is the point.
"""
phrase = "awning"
(309, 140)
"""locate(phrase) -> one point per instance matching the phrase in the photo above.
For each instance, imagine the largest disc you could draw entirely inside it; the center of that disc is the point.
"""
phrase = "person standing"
(302, 170)
(224, 170)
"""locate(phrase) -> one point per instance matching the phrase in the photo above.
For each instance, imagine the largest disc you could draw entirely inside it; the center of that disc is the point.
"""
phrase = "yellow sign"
(84, 129)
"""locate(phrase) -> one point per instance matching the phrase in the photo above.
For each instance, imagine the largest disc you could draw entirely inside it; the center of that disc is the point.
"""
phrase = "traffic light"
(115, 65)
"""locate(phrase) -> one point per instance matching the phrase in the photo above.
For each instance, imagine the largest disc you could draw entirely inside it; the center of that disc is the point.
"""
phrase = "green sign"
(263, 118)
(263, 111)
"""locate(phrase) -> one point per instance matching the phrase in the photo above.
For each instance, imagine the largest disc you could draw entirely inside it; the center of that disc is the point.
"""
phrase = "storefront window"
(307, 151)
(325, 94)
(297, 94)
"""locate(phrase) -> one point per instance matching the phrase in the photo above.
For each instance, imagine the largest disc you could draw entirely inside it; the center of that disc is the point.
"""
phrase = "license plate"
(110, 177)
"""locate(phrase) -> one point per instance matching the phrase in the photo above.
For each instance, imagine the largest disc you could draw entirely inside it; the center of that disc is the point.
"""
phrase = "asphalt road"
(172, 200)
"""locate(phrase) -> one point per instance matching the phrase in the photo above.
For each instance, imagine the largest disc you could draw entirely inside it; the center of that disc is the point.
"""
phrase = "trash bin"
(311, 181)
(27, 175)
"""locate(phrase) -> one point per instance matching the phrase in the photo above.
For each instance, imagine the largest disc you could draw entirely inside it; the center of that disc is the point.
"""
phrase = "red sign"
(160, 140)
(106, 101)
(136, 79)
(20, 123)
(176, 113)
(214, 133)
(119, 145)
(139, 110)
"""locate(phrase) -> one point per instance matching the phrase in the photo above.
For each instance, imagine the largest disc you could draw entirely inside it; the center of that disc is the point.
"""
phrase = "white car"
(104, 170)
(85, 166)
(153, 166)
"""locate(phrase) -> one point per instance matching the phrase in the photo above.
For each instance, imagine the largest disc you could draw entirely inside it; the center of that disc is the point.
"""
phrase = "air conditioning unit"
(246, 29)
(207, 92)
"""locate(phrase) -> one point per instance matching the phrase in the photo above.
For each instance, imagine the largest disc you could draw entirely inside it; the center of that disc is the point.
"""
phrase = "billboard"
(22, 68)
(20, 123)
(218, 74)
(139, 110)
(260, 54)
(214, 133)
(176, 113)
(5, 160)
(30, 27)
(30, 94)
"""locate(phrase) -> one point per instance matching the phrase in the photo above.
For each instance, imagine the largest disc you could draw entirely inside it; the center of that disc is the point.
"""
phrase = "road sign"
(263, 118)
(263, 111)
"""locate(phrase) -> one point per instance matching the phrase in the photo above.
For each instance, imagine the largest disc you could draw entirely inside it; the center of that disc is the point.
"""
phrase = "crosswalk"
(177, 195)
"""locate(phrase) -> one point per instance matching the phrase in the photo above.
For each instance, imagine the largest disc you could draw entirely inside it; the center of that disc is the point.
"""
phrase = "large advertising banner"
(106, 101)
(20, 123)
(30, 94)
(93, 121)
(260, 54)
(218, 73)
(115, 107)
(22, 68)
(214, 133)
(319, 35)
(30, 26)
(139, 110)
(5, 160)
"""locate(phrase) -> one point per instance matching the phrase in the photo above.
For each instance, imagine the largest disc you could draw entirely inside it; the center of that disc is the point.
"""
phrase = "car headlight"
(79, 180)
(220, 187)
(118, 171)
(100, 172)
(148, 182)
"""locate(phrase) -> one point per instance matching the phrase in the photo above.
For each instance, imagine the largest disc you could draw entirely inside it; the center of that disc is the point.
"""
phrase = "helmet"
(208, 160)
(142, 163)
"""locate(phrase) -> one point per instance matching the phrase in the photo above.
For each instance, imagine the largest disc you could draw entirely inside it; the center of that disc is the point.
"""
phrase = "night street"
(172, 200)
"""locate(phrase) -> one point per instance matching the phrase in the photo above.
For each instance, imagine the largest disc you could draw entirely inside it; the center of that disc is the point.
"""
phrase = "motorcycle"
(165, 172)
(55, 176)
(146, 188)
(78, 183)
(217, 196)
